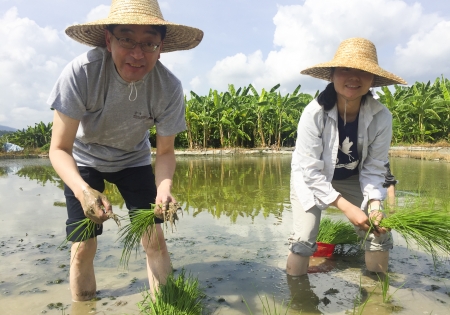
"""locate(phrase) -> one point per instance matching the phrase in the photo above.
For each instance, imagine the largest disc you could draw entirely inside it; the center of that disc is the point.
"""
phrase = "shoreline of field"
(429, 153)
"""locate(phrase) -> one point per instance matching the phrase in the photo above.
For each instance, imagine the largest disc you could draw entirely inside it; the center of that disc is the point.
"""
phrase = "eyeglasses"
(129, 43)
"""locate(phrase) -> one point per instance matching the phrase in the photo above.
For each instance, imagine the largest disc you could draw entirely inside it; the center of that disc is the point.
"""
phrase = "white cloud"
(177, 61)
(410, 43)
(239, 70)
(30, 60)
(100, 12)
(310, 33)
(425, 53)
(195, 83)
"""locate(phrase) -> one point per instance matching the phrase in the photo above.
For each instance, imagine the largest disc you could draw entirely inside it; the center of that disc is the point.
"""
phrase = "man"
(105, 101)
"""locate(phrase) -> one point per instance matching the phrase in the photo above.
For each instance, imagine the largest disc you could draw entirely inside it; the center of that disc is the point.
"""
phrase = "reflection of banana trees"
(3, 172)
(41, 174)
(234, 187)
(112, 192)
(427, 179)
(45, 174)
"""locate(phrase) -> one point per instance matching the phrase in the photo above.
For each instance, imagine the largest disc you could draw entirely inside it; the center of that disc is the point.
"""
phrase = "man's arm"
(63, 135)
(164, 168)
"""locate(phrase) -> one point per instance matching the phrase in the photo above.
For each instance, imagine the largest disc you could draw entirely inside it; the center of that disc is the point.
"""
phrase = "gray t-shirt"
(114, 129)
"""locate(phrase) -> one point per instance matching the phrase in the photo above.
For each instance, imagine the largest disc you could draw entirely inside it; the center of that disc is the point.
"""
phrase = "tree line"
(248, 118)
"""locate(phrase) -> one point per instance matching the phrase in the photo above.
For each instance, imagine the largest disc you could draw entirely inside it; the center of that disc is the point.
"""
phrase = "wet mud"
(238, 265)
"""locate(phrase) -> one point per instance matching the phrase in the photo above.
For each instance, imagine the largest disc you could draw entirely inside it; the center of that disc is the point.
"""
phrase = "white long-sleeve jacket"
(315, 154)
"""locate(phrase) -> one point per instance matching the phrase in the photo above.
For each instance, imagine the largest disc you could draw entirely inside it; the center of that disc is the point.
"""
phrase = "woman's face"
(351, 84)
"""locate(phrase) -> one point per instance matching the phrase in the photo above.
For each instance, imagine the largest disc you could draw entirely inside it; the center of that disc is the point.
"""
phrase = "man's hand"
(163, 198)
(96, 206)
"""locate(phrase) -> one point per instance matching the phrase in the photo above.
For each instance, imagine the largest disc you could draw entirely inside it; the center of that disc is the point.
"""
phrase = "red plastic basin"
(324, 250)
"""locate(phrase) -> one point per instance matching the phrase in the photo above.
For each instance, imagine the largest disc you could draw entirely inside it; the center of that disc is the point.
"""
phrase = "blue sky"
(246, 41)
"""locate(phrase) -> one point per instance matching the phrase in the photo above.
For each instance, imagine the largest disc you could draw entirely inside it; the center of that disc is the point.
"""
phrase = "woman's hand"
(354, 214)
(375, 218)
(357, 217)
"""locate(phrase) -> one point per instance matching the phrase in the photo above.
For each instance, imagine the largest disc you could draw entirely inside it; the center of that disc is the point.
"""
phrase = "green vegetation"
(336, 232)
(179, 296)
(247, 118)
(30, 138)
(140, 221)
(425, 227)
(270, 308)
(83, 232)
(385, 284)
(420, 112)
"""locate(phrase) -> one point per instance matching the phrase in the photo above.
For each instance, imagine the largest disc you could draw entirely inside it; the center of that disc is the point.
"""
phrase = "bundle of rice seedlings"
(83, 231)
(179, 296)
(141, 221)
(336, 232)
(427, 228)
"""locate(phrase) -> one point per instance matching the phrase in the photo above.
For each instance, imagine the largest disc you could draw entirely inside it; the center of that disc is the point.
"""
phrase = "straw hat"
(138, 12)
(357, 53)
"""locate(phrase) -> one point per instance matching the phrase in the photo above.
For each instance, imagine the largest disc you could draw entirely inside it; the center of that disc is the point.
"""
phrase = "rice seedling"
(141, 222)
(385, 284)
(269, 309)
(336, 232)
(180, 295)
(84, 230)
(427, 228)
(358, 304)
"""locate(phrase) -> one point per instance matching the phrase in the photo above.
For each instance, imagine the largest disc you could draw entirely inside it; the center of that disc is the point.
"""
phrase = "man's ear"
(108, 40)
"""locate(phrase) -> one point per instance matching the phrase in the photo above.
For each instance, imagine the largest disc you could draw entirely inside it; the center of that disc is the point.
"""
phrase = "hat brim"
(382, 77)
(178, 37)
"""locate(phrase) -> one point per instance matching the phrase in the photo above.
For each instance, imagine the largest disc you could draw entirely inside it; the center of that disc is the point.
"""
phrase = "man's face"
(133, 64)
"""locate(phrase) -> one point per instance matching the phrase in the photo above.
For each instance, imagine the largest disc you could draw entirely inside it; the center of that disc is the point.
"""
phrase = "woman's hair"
(328, 97)
(161, 29)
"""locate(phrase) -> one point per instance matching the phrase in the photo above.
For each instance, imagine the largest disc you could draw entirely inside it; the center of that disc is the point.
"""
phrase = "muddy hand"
(161, 209)
(96, 206)
(168, 211)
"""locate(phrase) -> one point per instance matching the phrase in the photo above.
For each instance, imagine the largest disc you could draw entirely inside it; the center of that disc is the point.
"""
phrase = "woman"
(342, 146)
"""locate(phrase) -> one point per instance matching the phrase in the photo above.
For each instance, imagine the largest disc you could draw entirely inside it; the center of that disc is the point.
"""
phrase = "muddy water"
(232, 237)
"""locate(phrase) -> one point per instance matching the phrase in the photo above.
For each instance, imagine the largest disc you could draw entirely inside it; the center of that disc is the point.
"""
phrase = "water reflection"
(302, 296)
(428, 178)
(233, 239)
(41, 174)
(233, 187)
(244, 186)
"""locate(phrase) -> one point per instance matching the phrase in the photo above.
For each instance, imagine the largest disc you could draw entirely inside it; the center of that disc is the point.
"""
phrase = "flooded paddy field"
(232, 236)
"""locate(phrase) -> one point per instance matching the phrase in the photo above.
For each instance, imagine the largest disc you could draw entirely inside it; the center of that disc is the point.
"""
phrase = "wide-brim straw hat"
(136, 12)
(357, 53)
